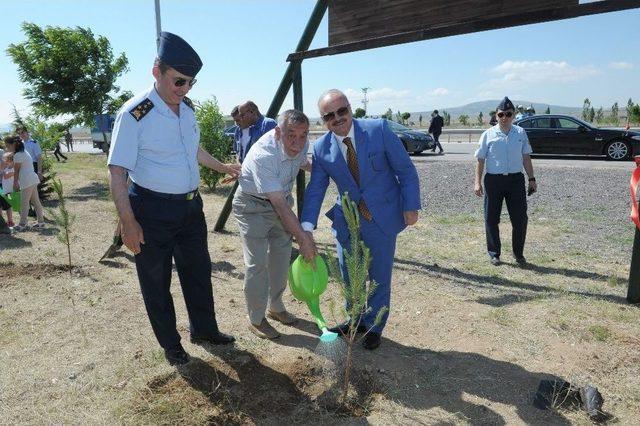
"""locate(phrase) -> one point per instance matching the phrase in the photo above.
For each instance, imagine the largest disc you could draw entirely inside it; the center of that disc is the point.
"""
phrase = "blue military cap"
(505, 104)
(178, 54)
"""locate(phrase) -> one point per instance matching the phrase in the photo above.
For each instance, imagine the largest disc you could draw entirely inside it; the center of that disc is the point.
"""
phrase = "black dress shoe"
(346, 326)
(371, 341)
(216, 339)
(521, 261)
(176, 355)
(495, 260)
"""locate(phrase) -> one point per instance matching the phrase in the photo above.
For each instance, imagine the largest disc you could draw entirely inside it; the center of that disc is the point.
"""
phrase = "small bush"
(212, 138)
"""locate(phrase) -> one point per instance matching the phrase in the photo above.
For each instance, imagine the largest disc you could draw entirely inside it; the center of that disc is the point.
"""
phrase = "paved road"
(463, 152)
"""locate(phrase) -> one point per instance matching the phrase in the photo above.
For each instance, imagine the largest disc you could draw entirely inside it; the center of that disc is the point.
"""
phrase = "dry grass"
(466, 343)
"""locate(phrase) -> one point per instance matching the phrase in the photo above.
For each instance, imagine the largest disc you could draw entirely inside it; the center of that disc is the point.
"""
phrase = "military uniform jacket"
(156, 146)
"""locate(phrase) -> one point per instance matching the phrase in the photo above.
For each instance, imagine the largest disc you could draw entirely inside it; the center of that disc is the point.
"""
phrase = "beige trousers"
(267, 252)
(29, 195)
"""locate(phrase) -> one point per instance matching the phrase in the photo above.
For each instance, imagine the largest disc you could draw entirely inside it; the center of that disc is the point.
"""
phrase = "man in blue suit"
(367, 160)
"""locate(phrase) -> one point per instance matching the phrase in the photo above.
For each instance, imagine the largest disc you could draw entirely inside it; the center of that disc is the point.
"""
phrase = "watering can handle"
(633, 187)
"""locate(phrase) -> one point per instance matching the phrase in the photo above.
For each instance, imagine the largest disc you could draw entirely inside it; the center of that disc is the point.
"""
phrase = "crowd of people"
(154, 178)
(21, 169)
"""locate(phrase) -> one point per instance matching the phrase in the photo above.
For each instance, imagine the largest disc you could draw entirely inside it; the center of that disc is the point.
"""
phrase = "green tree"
(592, 114)
(405, 116)
(446, 117)
(420, 120)
(63, 219)
(548, 110)
(388, 115)
(634, 114)
(359, 113)
(399, 117)
(615, 111)
(586, 106)
(67, 71)
(212, 139)
(480, 118)
(629, 108)
(463, 119)
(599, 116)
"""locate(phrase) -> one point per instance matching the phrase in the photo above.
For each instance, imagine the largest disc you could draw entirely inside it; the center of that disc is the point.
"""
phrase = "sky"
(244, 44)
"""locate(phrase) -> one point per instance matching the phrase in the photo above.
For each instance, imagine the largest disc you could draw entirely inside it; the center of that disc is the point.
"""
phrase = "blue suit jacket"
(389, 182)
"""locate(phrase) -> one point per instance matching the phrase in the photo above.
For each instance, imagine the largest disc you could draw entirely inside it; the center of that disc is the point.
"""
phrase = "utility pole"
(365, 101)
(158, 25)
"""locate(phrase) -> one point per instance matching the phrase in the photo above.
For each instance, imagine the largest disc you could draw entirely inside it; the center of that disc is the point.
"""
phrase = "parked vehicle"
(101, 133)
(413, 141)
(562, 134)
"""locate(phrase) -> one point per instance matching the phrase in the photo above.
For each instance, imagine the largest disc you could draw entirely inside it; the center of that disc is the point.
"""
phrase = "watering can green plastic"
(307, 284)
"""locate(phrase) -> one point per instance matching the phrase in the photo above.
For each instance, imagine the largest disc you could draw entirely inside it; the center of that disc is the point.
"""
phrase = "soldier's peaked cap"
(505, 104)
(178, 54)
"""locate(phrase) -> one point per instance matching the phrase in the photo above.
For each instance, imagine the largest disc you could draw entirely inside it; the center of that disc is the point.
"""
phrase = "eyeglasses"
(332, 115)
(509, 114)
(179, 82)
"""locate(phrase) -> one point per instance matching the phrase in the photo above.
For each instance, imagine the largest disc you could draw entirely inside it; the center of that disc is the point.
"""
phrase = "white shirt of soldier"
(267, 168)
(159, 151)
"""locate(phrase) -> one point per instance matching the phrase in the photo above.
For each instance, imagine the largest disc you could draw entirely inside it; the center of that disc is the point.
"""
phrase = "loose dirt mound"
(245, 389)
(12, 274)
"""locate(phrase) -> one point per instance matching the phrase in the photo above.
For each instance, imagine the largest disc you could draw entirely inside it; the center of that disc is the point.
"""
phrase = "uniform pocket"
(378, 162)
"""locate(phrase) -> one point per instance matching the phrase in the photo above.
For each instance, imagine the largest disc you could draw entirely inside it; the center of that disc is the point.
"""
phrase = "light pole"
(365, 101)
(158, 25)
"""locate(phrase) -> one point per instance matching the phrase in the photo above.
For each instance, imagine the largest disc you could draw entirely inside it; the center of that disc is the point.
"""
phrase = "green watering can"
(307, 285)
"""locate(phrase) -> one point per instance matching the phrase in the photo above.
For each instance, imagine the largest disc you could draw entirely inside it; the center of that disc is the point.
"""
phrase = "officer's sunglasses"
(332, 115)
(179, 82)
(501, 114)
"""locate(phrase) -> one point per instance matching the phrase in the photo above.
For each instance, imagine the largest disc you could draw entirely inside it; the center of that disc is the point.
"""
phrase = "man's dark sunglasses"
(331, 115)
(509, 114)
(179, 82)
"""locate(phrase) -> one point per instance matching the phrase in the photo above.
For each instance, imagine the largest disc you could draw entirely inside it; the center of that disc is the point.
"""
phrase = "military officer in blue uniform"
(503, 151)
(156, 141)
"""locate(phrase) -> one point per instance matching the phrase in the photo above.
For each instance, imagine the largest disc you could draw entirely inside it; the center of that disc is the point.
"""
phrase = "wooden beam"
(472, 26)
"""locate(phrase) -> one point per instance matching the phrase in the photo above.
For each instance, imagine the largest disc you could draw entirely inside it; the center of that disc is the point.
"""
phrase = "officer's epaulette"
(188, 102)
(142, 109)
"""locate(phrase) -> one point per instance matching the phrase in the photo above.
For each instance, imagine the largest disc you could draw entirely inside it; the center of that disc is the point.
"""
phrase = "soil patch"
(12, 274)
(242, 388)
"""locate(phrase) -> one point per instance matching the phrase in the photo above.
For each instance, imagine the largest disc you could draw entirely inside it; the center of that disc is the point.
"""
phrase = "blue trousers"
(174, 230)
(511, 189)
(383, 248)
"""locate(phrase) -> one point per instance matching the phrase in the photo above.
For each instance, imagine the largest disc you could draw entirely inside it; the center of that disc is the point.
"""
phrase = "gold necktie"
(352, 163)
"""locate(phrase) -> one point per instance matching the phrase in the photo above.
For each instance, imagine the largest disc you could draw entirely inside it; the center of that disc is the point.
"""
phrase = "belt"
(258, 198)
(505, 174)
(144, 191)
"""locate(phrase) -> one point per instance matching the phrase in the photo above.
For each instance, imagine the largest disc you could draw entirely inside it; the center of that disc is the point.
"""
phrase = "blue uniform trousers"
(174, 228)
(511, 189)
(383, 248)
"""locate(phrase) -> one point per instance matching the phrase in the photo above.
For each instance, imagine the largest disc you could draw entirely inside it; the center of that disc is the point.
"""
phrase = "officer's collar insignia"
(188, 102)
(142, 109)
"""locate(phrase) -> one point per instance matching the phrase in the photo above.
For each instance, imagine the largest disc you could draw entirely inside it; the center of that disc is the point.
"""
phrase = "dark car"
(561, 134)
(230, 133)
(412, 140)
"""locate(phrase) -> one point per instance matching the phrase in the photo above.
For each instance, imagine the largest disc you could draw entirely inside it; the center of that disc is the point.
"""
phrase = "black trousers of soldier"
(511, 189)
(436, 138)
(174, 229)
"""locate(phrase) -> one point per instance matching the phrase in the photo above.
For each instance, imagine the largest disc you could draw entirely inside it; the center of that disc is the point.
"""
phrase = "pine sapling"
(355, 288)
(62, 218)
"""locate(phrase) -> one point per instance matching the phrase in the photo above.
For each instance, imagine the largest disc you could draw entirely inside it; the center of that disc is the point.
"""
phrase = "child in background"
(7, 183)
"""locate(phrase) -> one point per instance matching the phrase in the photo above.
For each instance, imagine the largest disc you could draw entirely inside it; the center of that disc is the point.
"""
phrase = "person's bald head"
(335, 112)
(248, 113)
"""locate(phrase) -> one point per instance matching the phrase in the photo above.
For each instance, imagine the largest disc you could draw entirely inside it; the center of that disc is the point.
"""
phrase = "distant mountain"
(474, 108)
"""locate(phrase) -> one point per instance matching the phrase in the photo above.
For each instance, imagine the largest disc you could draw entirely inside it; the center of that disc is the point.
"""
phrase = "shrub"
(212, 138)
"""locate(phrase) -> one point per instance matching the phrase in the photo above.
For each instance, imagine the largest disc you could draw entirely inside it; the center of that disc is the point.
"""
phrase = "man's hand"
(477, 189)
(308, 248)
(132, 235)
(410, 217)
(533, 187)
